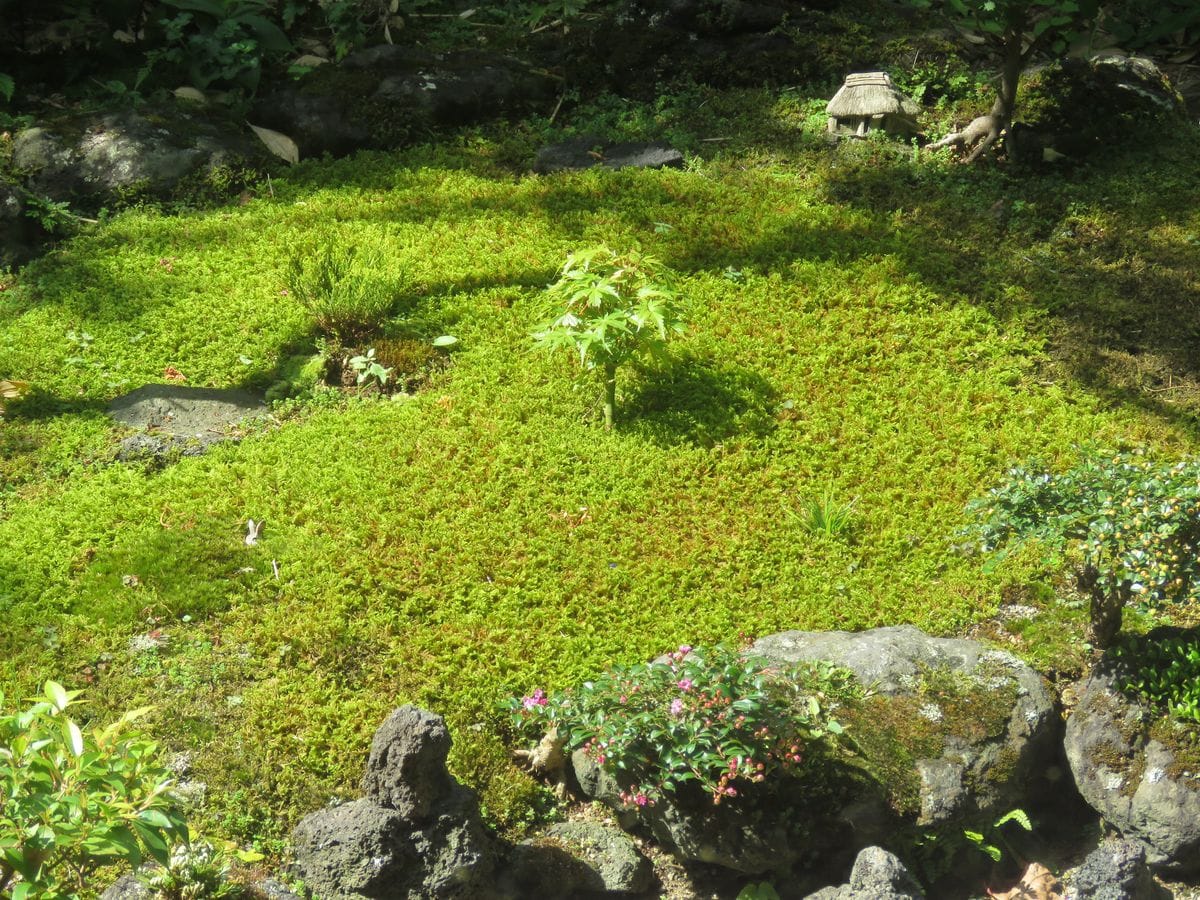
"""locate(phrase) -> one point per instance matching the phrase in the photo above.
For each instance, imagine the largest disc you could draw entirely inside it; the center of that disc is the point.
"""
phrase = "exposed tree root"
(975, 139)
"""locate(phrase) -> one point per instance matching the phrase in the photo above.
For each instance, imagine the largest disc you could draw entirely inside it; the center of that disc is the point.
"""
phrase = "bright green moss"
(884, 338)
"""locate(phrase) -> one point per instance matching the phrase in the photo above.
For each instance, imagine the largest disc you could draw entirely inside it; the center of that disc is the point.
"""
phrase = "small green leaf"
(445, 340)
(57, 695)
(74, 738)
(155, 818)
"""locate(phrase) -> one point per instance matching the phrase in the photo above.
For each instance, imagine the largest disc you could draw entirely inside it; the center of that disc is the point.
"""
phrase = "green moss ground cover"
(885, 329)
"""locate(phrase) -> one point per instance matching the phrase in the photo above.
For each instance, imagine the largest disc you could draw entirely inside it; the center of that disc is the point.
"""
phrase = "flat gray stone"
(181, 420)
(587, 152)
(185, 411)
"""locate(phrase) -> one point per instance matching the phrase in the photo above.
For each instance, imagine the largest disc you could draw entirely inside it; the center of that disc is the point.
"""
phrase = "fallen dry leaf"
(1037, 883)
(173, 374)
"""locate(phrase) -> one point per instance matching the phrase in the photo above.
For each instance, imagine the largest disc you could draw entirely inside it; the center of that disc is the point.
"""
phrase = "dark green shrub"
(1165, 673)
(1131, 522)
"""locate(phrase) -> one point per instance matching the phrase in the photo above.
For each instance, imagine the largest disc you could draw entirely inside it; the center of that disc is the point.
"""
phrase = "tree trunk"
(1001, 115)
(1106, 608)
(1010, 74)
(610, 395)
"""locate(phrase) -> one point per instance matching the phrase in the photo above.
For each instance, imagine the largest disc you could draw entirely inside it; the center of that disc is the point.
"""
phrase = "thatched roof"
(870, 94)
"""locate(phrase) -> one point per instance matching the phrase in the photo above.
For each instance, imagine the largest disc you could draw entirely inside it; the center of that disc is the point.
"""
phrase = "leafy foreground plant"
(1133, 521)
(71, 802)
(1165, 673)
(711, 716)
(609, 308)
(367, 367)
(937, 852)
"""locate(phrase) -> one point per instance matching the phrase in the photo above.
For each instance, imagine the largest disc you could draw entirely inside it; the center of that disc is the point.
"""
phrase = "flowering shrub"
(71, 801)
(711, 716)
(1133, 521)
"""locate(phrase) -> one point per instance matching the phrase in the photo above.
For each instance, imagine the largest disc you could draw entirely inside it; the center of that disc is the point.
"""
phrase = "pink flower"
(640, 799)
(684, 684)
(676, 706)
(538, 699)
(685, 649)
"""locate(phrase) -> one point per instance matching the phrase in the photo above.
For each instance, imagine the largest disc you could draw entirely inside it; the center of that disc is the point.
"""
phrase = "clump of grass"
(343, 289)
(828, 515)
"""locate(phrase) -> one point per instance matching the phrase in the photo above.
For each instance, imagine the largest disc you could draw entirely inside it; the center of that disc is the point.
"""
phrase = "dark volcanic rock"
(351, 850)
(574, 859)
(1116, 870)
(877, 875)
(418, 834)
(406, 770)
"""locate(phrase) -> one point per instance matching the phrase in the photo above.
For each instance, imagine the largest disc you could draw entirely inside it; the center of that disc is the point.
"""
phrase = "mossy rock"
(1076, 107)
(122, 158)
(298, 375)
(952, 730)
(1137, 767)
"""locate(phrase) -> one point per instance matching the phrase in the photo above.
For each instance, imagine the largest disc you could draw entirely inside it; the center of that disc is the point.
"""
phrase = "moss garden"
(866, 326)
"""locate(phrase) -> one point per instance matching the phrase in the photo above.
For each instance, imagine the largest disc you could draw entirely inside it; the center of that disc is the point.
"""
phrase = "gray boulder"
(417, 834)
(127, 887)
(391, 95)
(1076, 107)
(610, 852)
(116, 155)
(877, 875)
(953, 733)
(573, 859)
(1129, 769)
(977, 726)
(1116, 870)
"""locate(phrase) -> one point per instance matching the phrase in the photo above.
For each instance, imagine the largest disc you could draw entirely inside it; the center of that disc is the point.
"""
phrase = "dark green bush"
(1131, 521)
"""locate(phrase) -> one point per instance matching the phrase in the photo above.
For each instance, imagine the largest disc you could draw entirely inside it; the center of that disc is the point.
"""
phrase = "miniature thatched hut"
(868, 101)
